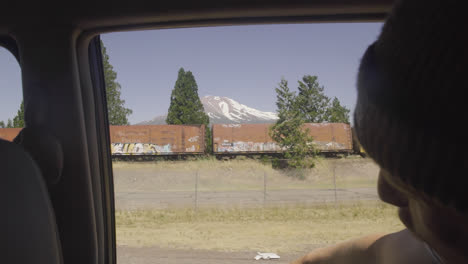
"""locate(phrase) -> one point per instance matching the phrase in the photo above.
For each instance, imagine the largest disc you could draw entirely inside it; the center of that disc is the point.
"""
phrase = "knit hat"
(412, 104)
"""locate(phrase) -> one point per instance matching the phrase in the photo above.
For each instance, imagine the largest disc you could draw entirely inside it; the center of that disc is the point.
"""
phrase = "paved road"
(171, 199)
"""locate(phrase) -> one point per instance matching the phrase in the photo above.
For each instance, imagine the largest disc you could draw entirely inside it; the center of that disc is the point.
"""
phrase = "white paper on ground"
(266, 256)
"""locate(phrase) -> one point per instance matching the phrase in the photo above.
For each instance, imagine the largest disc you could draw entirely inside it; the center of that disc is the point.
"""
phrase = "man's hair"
(411, 104)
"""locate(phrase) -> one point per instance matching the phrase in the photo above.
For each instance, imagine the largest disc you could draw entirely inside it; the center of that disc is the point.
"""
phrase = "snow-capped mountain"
(224, 110)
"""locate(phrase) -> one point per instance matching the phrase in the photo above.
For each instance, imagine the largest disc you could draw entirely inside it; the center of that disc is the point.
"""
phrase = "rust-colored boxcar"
(255, 138)
(331, 137)
(243, 138)
(157, 139)
(9, 133)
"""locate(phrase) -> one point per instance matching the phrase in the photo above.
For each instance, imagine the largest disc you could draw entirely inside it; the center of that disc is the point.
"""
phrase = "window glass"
(11, 106)
(229, 141)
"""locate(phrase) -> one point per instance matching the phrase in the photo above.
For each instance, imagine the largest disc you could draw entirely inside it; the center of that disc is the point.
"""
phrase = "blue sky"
(10, 85)
(244, 63)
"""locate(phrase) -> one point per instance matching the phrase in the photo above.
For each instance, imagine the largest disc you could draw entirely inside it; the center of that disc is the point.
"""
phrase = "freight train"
(227, 139)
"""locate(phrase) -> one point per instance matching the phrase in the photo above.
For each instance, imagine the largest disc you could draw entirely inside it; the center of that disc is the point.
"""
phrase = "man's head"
(410, 114)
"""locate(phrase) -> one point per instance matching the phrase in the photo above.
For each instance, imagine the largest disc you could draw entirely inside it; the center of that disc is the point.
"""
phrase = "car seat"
(29, 230)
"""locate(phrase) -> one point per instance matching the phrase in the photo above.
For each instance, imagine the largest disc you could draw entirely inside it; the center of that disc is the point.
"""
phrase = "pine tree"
(285, 102)
(9, 123)
(338, 113)
(18, 120)
(117, 112)
(2, 124)
(312, 101)
(288, 131)
(186, 106)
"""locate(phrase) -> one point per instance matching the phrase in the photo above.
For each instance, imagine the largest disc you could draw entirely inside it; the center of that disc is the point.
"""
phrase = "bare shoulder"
(400, 247)
(358, 250)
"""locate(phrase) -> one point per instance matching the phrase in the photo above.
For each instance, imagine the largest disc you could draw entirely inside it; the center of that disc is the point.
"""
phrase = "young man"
(409, 118)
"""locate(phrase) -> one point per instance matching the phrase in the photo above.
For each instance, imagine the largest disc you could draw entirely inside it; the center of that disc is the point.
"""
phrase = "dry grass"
(235, 175)
(278, 229)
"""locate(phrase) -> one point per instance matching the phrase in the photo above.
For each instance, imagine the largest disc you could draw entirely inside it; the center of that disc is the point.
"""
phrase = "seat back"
(28, 227)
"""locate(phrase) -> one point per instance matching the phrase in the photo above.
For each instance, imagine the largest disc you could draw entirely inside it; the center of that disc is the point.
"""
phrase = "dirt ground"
(150, 255)
(237, 183)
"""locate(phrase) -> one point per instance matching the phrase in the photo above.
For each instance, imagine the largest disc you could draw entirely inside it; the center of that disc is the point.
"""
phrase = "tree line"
(18, 119)
(309, 104)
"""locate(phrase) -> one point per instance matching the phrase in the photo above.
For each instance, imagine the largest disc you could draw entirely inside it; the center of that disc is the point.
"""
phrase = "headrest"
(45, 149)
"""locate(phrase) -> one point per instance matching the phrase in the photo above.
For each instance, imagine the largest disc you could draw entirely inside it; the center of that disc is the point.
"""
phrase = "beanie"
(412, 104)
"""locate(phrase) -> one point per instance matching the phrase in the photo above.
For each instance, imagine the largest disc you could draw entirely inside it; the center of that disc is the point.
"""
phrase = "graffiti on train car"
(240, 146)
(330, 146)
(149, 149)
(140, 149)
(193, 139)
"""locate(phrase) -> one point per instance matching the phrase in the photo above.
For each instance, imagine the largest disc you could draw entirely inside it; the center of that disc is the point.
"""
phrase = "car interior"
(57, 183)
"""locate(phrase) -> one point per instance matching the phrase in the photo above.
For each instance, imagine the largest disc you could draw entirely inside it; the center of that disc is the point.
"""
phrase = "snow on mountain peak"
(234, 112)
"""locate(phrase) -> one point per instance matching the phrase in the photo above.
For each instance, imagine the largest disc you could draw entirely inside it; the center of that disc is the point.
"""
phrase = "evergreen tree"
(18, 120)
(285, 102)
(312, 101)
(288, 131)
(338, 113)
(186, 106)
(117, 112)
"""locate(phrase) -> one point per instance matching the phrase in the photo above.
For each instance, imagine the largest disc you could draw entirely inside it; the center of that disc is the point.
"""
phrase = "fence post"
(196, 191)
(264, 188)
(334, 181)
